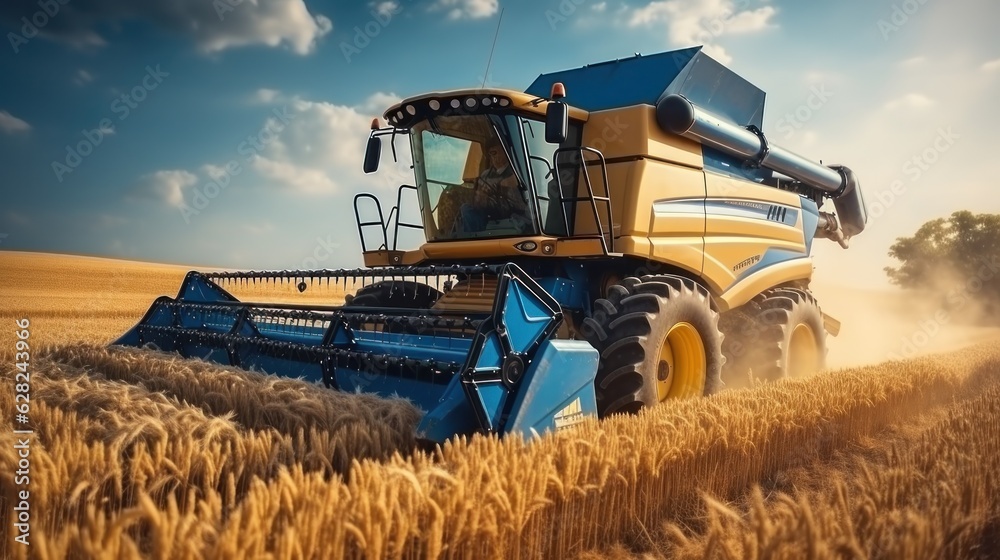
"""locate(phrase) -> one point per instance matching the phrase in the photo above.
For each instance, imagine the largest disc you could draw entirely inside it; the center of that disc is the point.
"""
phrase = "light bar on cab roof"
(420, 109)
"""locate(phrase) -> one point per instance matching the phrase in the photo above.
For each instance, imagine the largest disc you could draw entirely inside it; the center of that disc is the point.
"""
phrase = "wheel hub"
(682, 364)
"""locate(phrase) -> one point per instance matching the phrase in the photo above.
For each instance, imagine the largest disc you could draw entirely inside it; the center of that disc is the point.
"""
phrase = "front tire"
(395, 293)
(659, 338)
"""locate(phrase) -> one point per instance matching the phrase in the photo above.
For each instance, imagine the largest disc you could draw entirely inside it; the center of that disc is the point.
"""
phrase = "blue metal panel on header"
(645, 79)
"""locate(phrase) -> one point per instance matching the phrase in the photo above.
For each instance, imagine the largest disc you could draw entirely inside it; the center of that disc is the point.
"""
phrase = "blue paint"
(571, 293)
(810, 218)
(771, 256)
(211, 325)
(739, 208)
(559, 377)
(643, 80)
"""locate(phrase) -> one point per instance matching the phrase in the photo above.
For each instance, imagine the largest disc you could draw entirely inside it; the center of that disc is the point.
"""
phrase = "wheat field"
(142, 455)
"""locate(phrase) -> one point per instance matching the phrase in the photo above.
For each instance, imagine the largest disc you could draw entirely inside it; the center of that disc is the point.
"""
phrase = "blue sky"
(116, 116)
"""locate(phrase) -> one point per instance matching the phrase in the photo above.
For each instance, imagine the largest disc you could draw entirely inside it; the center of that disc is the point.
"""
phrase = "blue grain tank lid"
(644, 79)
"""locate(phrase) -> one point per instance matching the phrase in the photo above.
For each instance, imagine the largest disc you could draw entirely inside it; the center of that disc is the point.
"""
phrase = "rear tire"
(784, 335)
(658, 338)
(737, 326)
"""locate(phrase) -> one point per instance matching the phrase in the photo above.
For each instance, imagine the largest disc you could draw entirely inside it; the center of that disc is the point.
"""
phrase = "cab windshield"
(474, 178)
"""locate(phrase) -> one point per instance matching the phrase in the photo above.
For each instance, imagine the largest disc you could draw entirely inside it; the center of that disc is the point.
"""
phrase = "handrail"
(607, 238)
(361, 225)
(398, 212)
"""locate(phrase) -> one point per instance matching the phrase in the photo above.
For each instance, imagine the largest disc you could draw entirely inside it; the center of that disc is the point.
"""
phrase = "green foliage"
(949, 253)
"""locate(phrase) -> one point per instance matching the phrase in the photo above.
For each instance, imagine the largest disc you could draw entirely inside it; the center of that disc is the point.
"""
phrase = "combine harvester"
(579, 259)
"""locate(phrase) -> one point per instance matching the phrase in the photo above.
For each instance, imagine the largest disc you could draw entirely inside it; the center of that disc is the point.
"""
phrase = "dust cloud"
(892, 324)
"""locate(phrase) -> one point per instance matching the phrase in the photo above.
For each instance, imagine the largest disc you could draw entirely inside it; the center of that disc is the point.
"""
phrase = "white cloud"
(320, 150)
(265, 96)
(910, 101)
(702, 22)
(306, 180)
(167, 185)
(913, 61)
(385, 8)
(599, 7)
(212, 26)
(378, 102)
(991, 66)
(467, 9)
(11, 124)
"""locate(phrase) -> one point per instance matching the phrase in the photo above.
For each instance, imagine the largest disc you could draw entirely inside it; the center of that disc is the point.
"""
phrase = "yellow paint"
(633, 132)
(682, 364)
(774, 275)
(733, 242)
(647, 165)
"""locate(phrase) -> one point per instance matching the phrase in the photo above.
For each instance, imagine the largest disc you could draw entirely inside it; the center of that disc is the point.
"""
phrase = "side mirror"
(557, 116)
(373, 153)
(556, 122)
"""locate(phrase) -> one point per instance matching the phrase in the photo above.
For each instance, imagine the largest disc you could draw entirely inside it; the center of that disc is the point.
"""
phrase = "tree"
(958, 256)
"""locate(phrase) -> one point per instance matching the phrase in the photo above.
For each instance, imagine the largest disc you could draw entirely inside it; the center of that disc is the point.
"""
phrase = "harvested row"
(578, 490)
(256, 401)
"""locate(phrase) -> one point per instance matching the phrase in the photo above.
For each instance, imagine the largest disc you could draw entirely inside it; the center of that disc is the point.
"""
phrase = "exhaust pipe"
(676, 114)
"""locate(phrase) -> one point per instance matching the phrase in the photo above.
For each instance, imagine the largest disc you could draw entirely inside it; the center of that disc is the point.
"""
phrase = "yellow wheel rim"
(803, 351)
(682, 364)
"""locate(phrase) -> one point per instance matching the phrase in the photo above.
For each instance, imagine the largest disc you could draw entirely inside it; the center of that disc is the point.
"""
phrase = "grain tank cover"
(645, 79)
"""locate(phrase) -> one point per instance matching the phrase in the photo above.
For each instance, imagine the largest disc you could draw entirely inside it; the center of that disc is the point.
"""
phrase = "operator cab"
(482, 165)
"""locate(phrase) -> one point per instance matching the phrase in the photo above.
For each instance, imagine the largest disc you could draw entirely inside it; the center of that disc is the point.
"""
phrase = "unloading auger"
(646, 242)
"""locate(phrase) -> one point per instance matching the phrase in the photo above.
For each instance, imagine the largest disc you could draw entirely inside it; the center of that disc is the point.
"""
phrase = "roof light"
(558, 91)
(455, 104)
(434, 104)
(375, 124)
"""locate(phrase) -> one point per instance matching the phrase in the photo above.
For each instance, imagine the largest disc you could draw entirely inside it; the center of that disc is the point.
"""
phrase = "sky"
(230, 133)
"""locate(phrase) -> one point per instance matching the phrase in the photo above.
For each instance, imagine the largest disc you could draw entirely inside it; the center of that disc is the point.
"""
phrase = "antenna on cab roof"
(490, 61)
